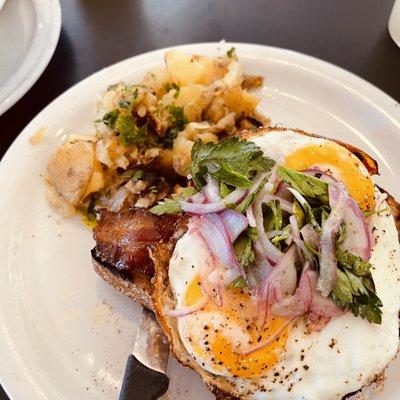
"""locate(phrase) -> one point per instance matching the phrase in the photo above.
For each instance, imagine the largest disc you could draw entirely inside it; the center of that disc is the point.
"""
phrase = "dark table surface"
(96, 33)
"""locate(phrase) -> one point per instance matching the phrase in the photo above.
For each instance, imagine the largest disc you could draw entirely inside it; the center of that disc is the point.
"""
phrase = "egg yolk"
(358, 183)
(238, 309)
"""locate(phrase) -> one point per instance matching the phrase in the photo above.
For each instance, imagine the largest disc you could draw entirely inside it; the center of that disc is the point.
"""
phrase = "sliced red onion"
(294, 227)
(218, 242)
(211, 190)
(300, 302)
(324, 306)
(324, 175)
(358, 238)
(193, 208)
(250, 217)
(270, 339)
(298, 196)
(189, 309)
(235, 197)
(285, 205)
(283, 192)
(235, 223)
(283, 273)
(271, 252)
(200, 208)
(328, 262)
(303, 250)
(310, 235)
(272, 234)
(197, 198)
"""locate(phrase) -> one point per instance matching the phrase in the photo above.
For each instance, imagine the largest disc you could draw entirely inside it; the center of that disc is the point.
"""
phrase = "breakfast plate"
(63, 332)
(29, 32)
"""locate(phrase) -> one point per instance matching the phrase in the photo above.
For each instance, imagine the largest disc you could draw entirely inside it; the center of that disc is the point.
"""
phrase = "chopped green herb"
(252, 233)
(309, 213)
(124, 104)
(354, 287)
(130, 134)
(243, 250)
(224, 189)
(368, 307)
(368, 213)
(110, 118)
(172, 206)
(311, 249)
(239, 283)
(112, 87)
(170, 137)
(137, 175)
(350, 261)
(306, 185)
(286, 231)
(232, 161)
(249, 199)
(298, 213)
(275, 206)
(172, 86)
(153, 189)
(231, 53)
(177, 117)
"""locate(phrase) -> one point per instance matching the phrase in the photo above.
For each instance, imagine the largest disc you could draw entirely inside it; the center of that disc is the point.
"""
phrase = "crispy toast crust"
(155, 294)
(138, 289)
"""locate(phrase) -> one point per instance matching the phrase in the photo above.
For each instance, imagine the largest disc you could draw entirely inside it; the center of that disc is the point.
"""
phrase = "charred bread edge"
(139, 290)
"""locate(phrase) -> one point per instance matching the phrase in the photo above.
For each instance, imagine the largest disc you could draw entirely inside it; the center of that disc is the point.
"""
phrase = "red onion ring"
(189, 309)
(270, 339)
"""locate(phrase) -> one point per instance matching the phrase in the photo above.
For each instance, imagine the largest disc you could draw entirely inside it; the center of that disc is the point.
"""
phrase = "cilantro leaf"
(298, 213)
(306, 185)
(138, 174)
(172, 86)
(354, 287)
(239, 283)
(249, 199)
(232, 161)
(224, 189)
(110, 118)
(350, 261)
(130, 134)
(231, 53)
(368, 307)
(172, 206)
(243, 250)
(286, 231)
(177, 117)
(368, 213)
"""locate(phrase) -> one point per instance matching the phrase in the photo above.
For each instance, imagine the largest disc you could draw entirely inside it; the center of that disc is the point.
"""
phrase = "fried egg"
(347, 354)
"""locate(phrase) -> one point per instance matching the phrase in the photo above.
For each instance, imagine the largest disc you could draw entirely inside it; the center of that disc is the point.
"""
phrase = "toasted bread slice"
(153, 290)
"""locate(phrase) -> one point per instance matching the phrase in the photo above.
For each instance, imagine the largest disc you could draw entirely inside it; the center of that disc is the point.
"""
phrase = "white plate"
(2, 3)
(65, 334)
(29, 32)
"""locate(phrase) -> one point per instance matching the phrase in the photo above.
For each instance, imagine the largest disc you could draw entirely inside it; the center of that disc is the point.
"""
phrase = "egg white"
(344, 356)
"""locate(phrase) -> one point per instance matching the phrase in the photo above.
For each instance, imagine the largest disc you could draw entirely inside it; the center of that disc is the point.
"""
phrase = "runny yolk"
(358, 183)
(238, 309)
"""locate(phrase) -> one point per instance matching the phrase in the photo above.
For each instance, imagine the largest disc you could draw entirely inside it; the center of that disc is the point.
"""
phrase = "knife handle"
(142, 383)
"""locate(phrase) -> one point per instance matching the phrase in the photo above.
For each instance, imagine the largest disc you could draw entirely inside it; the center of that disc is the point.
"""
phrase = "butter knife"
(144, 377)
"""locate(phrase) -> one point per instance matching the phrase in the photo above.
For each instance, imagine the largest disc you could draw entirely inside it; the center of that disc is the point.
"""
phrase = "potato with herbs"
(152, 125)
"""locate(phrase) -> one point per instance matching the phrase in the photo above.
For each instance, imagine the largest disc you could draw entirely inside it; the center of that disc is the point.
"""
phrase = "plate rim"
(389, 106)
(26, 76)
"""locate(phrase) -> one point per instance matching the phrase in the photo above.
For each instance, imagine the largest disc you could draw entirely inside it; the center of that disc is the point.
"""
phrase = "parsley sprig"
(231, 161)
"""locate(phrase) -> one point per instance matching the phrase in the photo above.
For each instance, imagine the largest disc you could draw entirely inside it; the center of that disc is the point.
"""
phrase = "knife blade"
(144, 377)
